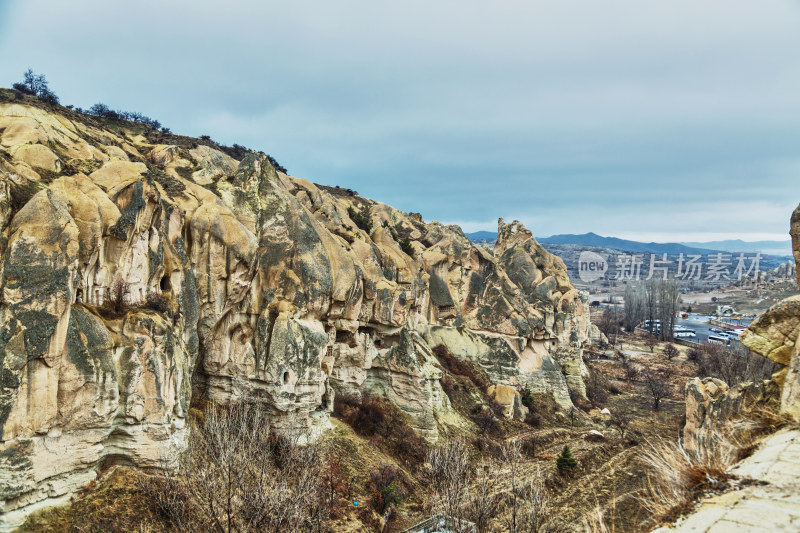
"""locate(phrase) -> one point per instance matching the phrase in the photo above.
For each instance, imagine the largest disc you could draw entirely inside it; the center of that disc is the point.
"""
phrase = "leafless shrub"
(650, 341)
(733, 364)
(169, 498)
(527, 506)
(487, 421)
(373, 416)
(631, 370)
(450, 475)
(596, 387)
(118, 301)
(483, 498)
(386, 488)
(670, 351)
(620, 421)
(156, 301)
(536, 512)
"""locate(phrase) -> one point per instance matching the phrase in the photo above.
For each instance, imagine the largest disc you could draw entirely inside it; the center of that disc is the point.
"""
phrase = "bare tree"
(634, 306)
(512, 455)
(450, 479)
(483, 498)
(658, 385)
(119, 296)
(651, 341)
(734, 364)
(609, 323)
(535, 514)
(242, 479)
(36, 84)
(655, 300)
(631, 370)
(619, 421)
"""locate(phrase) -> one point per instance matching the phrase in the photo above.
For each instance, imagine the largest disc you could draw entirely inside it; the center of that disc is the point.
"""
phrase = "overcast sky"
(657, 120)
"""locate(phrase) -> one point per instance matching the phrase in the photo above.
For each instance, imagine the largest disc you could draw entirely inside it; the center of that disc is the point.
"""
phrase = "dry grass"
(676, 476)
(116, 504)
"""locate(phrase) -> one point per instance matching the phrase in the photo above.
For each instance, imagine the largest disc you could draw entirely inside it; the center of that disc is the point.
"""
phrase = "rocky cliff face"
(141, 268)
(776, 336)
(711, 405)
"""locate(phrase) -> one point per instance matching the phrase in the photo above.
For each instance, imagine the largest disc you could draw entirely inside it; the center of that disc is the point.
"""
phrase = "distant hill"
(482, 236)
(593, 239)
(738, 245)
(775, 248)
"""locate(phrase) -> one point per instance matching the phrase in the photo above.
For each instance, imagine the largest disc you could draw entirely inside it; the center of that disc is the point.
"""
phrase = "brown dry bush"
(156, 302)
(596, 388)
(387, 488)
(486, 420)
(371, 416)
(118, 301)
(487, 446)
(456, 366)
(169, 499)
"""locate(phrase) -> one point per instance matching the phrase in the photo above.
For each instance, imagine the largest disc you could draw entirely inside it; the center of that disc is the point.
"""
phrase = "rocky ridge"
(141, 268)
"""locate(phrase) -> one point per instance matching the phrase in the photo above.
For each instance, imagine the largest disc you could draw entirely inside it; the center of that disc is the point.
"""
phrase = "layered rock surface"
(235, 279)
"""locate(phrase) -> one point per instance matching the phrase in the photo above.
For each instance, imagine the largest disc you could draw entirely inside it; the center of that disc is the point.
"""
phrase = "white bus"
(718, 338)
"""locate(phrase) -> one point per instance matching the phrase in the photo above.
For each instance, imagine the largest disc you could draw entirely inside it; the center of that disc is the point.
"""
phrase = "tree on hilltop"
(36, 85)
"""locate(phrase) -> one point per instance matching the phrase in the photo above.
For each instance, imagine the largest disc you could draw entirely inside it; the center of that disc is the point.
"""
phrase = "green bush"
(361, 219)
(405, 245)
(565, 462)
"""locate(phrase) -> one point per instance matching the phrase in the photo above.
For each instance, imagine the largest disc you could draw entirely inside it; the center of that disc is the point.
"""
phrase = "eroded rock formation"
(711, 406)
(140, 268)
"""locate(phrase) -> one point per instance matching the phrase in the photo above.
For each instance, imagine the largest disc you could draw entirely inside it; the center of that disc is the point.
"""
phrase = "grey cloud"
(551, 112)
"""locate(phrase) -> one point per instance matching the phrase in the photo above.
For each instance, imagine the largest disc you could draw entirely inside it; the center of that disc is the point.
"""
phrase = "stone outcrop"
(776, 335)
(713, 408)
(711, 405)
(140, 269)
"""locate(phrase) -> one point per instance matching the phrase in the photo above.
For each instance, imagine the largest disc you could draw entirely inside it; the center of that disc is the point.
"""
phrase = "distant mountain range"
(738, 245)
(671, 248)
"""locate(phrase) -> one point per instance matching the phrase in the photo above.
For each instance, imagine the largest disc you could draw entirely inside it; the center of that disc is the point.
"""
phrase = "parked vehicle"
(719, 339)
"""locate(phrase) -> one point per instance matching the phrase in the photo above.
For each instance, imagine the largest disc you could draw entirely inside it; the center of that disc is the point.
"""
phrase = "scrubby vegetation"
(102, 110)
(361, 219)
(732, 364)
(376, 418)
(405, 245)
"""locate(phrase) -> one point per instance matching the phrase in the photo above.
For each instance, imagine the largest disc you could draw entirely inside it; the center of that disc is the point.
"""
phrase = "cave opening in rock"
(286, 378)
(346, 337)
(165, 283)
